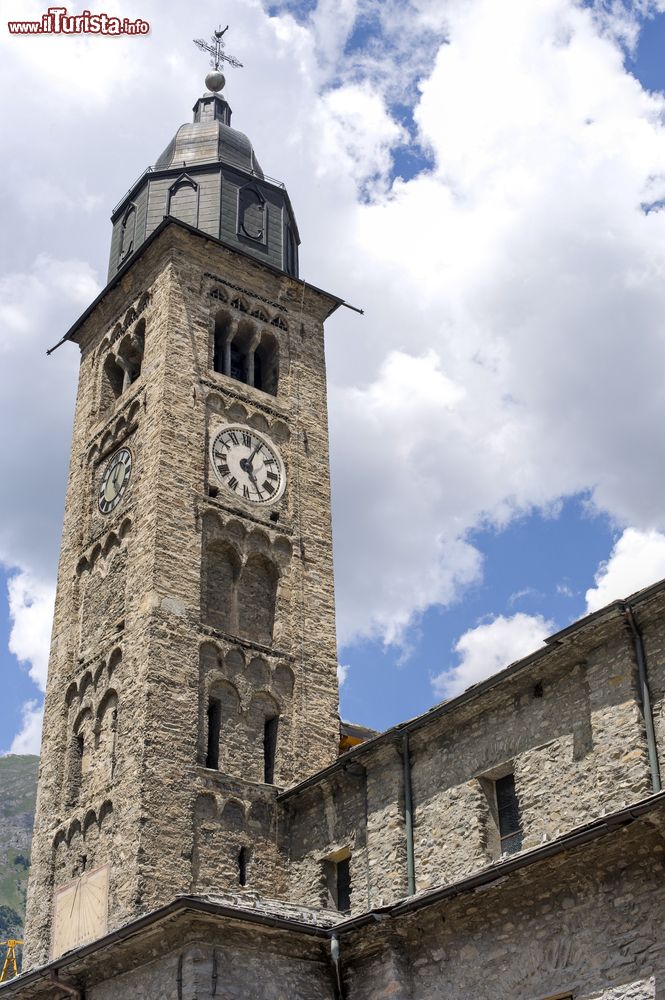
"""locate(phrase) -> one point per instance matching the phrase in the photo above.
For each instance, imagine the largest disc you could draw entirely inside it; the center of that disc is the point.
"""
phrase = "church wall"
(586, 923)
(652, 625)
(328, 822)
(230, 962)
(575, 745)
(568, 728)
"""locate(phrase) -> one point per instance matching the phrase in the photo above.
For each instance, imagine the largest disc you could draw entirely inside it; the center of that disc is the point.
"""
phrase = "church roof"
(209, 177)
(208, 138)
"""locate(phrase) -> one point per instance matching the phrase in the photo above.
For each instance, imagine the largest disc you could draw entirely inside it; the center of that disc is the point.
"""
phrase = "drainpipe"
(65, 987)
(644, 698)
(408, 816)
(334, 954)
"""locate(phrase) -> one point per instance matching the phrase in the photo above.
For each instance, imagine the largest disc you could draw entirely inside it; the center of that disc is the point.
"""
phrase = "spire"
(209, 177)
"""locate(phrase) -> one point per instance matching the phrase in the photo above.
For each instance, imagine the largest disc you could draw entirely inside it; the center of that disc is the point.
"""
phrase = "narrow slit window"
(344, 884)
(269, 750)
(510, 827)
(243, 860)
(214, 725)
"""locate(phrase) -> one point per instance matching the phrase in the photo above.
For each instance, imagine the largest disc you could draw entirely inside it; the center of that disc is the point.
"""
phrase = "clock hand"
(250, 473)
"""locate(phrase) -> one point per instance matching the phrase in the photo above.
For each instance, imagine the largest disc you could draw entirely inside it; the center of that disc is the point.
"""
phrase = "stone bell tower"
(193, 662)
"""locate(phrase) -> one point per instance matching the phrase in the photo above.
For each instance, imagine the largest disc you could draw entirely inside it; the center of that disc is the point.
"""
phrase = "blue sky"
(513, 554)
(540, 565)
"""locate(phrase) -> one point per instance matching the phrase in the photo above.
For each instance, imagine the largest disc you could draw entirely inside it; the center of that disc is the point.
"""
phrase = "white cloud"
(28, 739)
(342, 673)
(490, 647)
(394, 438)
(31, 614)
(512, 345)
(37, 394)
(637, 560)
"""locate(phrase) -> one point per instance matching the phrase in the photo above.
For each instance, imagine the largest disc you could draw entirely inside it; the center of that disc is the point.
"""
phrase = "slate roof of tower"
(201, 142)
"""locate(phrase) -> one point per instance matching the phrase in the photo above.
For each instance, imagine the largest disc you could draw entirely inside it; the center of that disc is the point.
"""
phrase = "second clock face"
(115, 480)
(248, 464)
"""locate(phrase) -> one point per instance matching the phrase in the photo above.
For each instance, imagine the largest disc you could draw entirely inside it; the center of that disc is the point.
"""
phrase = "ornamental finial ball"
(215, 81)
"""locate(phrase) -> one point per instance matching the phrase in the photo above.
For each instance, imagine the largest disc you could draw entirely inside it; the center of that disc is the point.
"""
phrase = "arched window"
(257, 592)
(123, 367)
(130, 355)
(222, 343)
(233, 816)
(106, 731)
(127, 233)
(252, 214)
(241, 354)
(222, 567)
(221, 721)
(263, 729)
(214, 719)
(269, 749)
(183, 200)
(112, 382)
(79, 754)
(266, 364)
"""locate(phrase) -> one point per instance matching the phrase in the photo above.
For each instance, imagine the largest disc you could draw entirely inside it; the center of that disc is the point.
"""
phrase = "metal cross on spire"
(215, 47)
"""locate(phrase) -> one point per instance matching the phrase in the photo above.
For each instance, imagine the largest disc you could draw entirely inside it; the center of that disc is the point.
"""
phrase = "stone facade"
(198, 833)
(137, 652)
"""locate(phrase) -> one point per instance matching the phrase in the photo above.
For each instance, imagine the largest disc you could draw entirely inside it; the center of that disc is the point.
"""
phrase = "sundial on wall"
(80, 911)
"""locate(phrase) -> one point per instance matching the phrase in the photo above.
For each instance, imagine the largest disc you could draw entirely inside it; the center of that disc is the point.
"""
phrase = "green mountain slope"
(18, 790)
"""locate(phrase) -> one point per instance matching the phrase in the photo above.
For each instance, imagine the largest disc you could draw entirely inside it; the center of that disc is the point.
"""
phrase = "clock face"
(115, 480)
(248, 464)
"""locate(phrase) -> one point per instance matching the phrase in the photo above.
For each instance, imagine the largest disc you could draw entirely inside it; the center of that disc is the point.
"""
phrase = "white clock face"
(115, 480)
(248, 464)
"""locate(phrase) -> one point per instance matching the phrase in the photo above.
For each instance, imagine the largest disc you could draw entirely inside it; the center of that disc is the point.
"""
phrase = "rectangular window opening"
(269, 749)
(214, 729)
(337, 872)
(508, 814)
(344, 884)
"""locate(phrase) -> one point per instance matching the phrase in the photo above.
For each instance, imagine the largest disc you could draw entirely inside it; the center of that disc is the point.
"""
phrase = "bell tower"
(193, 661)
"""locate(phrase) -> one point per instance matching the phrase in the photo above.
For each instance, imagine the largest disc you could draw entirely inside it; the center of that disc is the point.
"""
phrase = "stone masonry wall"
(568, 726)
(130, 587)
(587, 923)
(88, 812)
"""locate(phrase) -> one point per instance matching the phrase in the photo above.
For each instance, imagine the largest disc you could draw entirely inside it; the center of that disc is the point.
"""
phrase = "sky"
(487, 181)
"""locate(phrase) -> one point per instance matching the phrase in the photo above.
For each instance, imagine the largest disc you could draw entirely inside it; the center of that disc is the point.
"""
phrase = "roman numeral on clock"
(233, 483)
(247, 439)
(268, 487)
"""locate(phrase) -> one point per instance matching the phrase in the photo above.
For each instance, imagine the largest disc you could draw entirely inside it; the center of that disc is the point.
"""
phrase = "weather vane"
(215, 48)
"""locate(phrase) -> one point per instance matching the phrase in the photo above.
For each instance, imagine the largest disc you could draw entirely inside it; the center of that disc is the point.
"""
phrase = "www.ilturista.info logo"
(56, 21)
